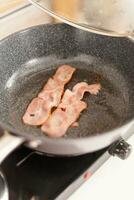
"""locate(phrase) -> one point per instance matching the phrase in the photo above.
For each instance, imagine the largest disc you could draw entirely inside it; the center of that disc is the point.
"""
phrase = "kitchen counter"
(115, 179)
(20, 18)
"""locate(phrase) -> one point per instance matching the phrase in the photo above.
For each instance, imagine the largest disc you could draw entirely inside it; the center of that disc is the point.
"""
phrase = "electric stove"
(34, 176)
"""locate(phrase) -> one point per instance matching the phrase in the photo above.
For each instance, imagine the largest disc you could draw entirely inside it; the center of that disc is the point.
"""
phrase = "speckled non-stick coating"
(29, 58)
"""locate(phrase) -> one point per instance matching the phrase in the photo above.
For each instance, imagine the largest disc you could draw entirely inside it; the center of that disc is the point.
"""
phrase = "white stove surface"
(115, 179)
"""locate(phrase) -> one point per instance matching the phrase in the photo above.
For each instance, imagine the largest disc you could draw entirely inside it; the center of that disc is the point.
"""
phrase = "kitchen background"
(19, 14)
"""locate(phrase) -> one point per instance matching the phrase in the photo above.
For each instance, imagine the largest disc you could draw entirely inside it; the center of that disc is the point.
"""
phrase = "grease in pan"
(68, 107)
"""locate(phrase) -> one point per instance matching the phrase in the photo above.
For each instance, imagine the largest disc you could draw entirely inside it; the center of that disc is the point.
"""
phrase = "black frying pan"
(28, 58)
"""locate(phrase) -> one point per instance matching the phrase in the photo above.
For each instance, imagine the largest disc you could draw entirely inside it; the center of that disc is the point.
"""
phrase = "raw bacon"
(80, 88)
(40, 107)
(52, 95)
(78, 92)
(68, 110)
(64, 74)
(60, 120)
(37, 112)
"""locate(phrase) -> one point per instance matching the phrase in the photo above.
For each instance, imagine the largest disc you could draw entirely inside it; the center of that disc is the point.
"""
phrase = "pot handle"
(8, 143)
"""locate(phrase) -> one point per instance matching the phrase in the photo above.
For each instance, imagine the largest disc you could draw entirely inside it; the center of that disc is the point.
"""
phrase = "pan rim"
(62, 140)
(45, 138)
(55, 24)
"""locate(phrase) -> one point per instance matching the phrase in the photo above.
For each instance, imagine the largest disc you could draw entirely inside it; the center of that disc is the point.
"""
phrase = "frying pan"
(29, 57)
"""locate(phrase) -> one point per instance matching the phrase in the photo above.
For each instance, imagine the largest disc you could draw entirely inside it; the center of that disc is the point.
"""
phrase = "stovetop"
(33, 176)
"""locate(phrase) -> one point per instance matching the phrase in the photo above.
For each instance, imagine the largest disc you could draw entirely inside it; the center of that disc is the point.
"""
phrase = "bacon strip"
(68, 110)
(60, 120)
(78, 92)
(80, 88)
(37, 112)
(64, 74)
(40, 107)
(52, 92)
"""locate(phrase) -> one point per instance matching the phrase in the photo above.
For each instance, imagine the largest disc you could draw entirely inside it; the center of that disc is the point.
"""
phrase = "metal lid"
(107, 17)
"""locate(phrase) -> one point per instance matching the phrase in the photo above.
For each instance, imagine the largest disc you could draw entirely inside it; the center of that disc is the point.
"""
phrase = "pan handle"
(8, 143)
